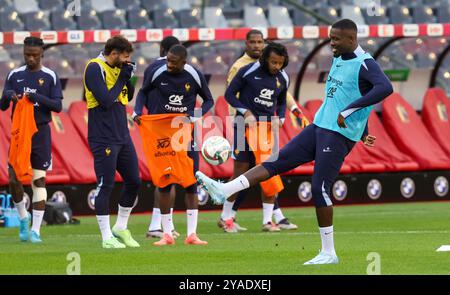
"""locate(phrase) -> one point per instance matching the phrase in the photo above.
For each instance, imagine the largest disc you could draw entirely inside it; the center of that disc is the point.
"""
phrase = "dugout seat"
(72, 151)
(435, 116)
(385, 149)
(410, 134)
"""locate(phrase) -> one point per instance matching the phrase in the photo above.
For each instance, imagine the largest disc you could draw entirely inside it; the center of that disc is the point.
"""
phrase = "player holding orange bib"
(175, 86)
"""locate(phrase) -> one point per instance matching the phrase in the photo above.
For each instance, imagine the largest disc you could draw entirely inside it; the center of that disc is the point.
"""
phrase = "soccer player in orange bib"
(176, 86)
(40, 86)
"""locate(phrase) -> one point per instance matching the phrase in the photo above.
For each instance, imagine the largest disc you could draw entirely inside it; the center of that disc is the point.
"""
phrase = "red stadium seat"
(292, 128)
(76, 158)
(79, 116)
(435, 116)
(411, 136)
(3, 158)
(385, 149)
(5, 123)
(58, 174)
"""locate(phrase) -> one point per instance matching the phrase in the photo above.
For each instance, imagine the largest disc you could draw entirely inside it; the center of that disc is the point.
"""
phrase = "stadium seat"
(51, 5)
(443, 14)
(292, 128)
(138, 19)
(254, 17)
(410, 134)
(36, 21)
(3, 158)
(62, 21)
(301, 18)
(58, 174)
(265, 4)
(435, 116)
(89, 21)
(399, 15)
(179, 4)
(128, 4)
(386, 150)
(331, 13)
(315, 3)
(10, 21)
(379, 18)
(279, 16)
(242, 3)
(152, 5)
(103, 5)
(423, 15)
(113, 19)
(214, 18)
(72, 150)
(190, 18)
(164, 18)
(354, 13)
(5, 123)
(26, 6)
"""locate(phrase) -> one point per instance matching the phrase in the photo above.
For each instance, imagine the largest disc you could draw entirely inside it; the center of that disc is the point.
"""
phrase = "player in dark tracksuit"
(144, 99)
(108, 91)
(42, 87)
(173, 88)
(355, 83)
(262, 88)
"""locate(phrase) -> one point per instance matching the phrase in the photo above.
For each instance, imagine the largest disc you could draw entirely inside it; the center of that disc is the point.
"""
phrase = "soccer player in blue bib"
(43, 88)
(174, 87)
(355, 83)
(155, 229)
(108, 90)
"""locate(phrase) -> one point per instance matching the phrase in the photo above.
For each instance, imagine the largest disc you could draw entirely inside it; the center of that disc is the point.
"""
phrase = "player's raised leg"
(299, 150)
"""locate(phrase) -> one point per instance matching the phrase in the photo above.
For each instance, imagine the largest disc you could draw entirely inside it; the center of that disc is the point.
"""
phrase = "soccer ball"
(216, 150)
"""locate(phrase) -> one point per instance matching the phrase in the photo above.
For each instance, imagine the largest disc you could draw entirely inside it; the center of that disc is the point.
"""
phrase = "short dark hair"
(345, 24)
(253, 32)
(178, 50)
(33, 41)
(168, 42)
(118, 43)
(278, 49)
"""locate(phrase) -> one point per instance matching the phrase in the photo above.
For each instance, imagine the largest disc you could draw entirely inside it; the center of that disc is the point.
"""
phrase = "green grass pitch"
(405, 236)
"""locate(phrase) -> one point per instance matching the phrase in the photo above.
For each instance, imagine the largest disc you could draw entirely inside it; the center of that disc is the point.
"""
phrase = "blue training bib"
(342, 88)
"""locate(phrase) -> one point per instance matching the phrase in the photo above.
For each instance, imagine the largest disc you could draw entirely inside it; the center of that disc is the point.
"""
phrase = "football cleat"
(270, 227)
(166, 240)
(285, 224)
(125, 237)
(212, 187)
(193, 239)
(323, 258)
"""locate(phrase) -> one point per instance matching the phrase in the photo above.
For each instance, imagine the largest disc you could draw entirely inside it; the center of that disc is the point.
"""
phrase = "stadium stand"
(435, 116)
(410, 134)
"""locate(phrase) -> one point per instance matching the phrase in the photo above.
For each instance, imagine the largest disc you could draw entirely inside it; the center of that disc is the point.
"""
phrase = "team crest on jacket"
(41, 82)
(108, 151)
(187, 86)
(278, 83)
